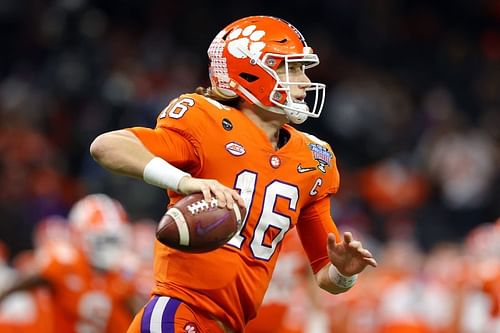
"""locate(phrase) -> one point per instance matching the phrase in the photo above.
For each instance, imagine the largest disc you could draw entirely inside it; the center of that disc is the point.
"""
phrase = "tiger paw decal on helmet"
(244, 42)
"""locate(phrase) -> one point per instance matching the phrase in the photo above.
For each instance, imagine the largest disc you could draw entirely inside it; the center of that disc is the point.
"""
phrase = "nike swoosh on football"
(300, 169)
(201, 230)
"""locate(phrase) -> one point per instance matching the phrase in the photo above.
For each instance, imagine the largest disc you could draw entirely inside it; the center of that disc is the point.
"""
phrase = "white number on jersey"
(176, 109)
(246, 182)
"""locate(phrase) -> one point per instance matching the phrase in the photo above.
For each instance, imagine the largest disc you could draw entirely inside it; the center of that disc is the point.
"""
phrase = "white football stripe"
(237, 212)
(181, 225)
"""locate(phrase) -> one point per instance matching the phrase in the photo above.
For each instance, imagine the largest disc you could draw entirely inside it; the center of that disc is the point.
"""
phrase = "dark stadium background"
(412, 109)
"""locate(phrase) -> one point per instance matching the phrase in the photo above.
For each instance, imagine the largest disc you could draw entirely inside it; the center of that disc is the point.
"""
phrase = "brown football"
(196, 225)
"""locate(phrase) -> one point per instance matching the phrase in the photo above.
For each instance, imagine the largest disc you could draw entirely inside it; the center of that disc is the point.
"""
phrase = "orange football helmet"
(244, 57)
(100, 225)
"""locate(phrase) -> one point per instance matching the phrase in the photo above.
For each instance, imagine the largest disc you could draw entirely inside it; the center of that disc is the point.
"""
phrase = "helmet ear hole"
(249, 77)
(279, 97)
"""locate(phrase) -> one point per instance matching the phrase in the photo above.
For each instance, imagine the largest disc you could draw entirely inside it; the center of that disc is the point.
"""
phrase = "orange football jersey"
(281, 188)
(84, 300)
(27, 312)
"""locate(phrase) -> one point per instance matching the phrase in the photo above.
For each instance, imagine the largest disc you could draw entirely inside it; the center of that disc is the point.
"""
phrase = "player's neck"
(270, 123)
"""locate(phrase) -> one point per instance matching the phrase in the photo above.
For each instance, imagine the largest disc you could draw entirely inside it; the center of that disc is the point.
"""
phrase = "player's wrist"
(341, 280)
(160, 173)
(181, 186)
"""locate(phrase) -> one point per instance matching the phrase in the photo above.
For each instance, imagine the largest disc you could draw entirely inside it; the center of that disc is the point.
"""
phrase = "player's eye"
(296, 67)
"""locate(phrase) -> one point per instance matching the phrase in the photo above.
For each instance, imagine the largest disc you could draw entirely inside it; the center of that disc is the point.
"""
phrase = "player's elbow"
(112, 150)
(98, 147)
(104, 148)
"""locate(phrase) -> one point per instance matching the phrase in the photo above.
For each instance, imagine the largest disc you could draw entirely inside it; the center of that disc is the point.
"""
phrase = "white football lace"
(201, 205)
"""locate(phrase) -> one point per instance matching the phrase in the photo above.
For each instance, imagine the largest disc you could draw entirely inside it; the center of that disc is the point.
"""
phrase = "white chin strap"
(295, 116)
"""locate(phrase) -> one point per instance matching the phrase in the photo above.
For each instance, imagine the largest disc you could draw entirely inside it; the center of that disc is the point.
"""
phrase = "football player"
(235, 141)
(89, 289)
(30, 310)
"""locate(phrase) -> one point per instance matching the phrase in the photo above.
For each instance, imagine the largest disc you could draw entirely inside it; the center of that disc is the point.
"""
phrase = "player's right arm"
(122, 152)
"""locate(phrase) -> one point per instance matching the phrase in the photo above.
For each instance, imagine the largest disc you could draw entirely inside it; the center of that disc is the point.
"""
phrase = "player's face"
(294, 72)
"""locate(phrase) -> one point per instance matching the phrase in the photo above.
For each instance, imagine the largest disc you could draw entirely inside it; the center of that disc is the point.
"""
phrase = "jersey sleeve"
(180, 129)
(315, 223)
(170, 145)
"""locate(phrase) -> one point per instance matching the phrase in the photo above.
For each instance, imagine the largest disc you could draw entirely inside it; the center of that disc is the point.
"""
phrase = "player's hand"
(349, 256)
(211, 188)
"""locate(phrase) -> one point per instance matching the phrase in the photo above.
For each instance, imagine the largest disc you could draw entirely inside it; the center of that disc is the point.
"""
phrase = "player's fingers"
(238, 199)
(221, 199)
(207, 195)
(365, 253)
(332, 240)
(371, 261)
(229, 199)
(355, 245)
(219, 194)
(241, 203)
(347, 237)
(235, 198)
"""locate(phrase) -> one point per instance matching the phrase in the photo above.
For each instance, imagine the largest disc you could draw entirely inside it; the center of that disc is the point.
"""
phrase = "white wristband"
(340, 280)
(159, 172)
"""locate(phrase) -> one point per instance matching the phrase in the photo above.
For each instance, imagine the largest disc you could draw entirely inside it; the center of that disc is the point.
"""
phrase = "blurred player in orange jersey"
(89, 290)
(18, 312)
(480, 307)
(287, 304)
(143, 236)
(31, 311)
(26, 311)
(233, 141)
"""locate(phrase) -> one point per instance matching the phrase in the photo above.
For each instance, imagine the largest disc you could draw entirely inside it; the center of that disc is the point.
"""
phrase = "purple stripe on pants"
(168, 318)
(146, 316)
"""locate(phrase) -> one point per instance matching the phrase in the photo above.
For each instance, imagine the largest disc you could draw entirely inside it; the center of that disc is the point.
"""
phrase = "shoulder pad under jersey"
(191, 113)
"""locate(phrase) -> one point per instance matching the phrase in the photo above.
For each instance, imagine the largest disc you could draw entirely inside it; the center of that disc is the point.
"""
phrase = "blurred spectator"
(461, 162)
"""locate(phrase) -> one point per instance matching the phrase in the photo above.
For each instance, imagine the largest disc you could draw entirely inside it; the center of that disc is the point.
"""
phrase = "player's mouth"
(300, 99)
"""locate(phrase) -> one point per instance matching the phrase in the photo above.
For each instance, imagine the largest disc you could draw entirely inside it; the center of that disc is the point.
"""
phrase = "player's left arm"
(348, 258)
(336, 260)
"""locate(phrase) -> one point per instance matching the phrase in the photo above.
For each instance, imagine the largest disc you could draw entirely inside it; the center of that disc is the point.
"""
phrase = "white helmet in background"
(100, 224)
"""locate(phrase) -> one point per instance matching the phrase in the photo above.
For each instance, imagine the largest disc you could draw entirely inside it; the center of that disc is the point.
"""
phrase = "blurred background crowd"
(412, 113)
